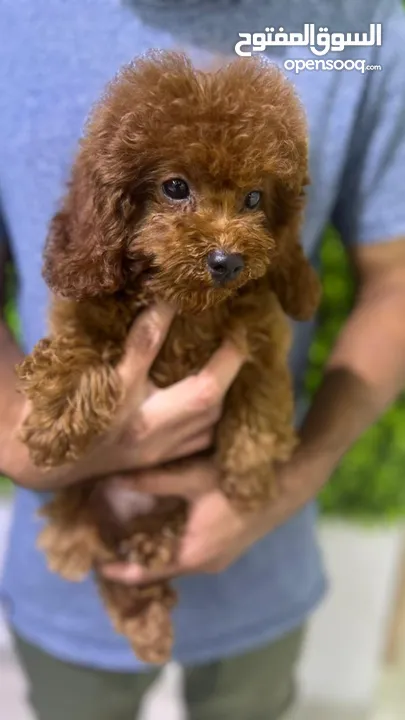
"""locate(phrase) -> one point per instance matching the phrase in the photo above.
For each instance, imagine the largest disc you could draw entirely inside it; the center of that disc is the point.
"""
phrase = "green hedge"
(12, 320)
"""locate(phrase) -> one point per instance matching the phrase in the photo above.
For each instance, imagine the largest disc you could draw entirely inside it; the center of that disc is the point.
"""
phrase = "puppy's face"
(190, 181)
(204, 236)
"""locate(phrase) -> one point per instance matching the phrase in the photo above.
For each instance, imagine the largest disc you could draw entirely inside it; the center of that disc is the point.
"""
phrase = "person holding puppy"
(239, 649)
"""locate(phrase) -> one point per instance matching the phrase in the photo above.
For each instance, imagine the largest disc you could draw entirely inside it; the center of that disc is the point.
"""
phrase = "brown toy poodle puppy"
(188, 187)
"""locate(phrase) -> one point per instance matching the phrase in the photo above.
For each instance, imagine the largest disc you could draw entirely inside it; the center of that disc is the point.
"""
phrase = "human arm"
(169, 424)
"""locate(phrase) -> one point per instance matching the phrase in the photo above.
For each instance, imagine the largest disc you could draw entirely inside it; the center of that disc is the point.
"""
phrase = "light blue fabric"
(55, 58)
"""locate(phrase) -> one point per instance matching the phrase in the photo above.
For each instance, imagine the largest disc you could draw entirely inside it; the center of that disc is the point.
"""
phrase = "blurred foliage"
(369, 483)
(10, 307)
(11, 316)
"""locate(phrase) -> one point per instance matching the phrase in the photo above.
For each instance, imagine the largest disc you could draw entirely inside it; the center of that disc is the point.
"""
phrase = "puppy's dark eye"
(176, 189)
(252, 199)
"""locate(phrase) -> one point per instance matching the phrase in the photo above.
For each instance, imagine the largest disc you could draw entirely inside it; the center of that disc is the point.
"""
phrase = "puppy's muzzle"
(224, 266)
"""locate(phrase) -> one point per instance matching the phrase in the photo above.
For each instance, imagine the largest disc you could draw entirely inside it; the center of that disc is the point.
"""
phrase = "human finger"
(188, 479)
(222, 369)
(144, 341)
(195, 444)
(185, 406)
(131, 574)
(198, 394)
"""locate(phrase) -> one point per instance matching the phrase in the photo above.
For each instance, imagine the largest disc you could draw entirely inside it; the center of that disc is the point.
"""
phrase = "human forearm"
(365, 373)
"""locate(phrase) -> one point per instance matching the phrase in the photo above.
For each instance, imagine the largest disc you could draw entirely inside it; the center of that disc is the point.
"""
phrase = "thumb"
(144, 341)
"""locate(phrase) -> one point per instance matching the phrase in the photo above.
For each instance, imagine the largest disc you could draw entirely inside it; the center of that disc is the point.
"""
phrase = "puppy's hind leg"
(70, 539)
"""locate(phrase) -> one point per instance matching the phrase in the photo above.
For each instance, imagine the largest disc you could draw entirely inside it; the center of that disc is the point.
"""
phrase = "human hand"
(216, 534)
(154, 425)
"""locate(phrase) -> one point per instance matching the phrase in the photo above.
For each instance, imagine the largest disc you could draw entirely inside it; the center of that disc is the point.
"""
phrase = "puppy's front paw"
(73, 399)
(247, 450)
(47, 446)
(250, 491)
(247, 465)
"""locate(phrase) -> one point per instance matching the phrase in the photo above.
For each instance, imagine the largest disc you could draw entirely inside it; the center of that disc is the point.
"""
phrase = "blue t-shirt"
(55, 58)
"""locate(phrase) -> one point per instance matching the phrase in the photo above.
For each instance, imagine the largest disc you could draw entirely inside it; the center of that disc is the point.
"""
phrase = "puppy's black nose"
(224, 266)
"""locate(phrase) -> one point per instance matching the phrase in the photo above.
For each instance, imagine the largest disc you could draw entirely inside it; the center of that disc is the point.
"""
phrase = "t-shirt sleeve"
(371, 202)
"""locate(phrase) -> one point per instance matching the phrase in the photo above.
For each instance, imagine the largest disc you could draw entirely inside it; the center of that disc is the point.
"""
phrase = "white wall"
(347, 636)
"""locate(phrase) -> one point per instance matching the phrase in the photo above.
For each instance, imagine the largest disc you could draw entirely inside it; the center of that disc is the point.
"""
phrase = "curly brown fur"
(118, 244)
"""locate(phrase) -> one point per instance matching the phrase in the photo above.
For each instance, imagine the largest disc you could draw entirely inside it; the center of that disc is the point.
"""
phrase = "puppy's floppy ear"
(85, 247)
(90, 247)
(291, 276)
